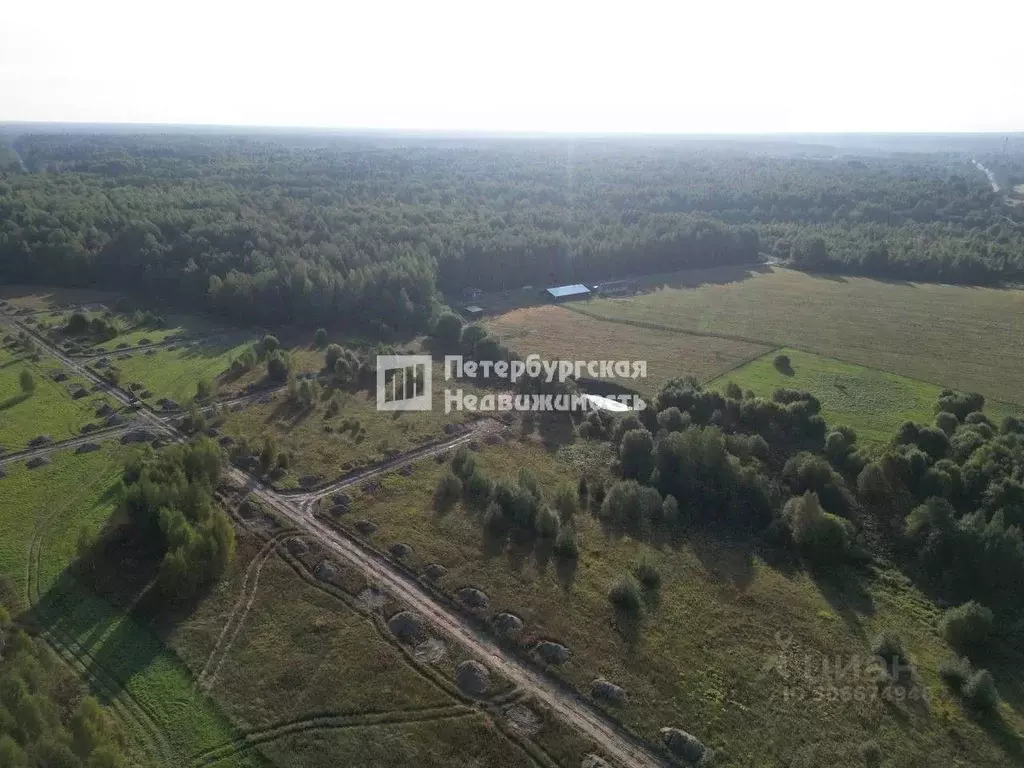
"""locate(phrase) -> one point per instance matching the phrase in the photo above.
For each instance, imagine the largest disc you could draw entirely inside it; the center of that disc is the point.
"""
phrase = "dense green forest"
(362, 232)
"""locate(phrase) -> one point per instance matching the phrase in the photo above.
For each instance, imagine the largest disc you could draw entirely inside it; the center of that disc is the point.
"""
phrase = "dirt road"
(622, 748)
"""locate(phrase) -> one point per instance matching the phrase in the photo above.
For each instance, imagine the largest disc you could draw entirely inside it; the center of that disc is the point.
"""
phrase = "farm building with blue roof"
(565, 292)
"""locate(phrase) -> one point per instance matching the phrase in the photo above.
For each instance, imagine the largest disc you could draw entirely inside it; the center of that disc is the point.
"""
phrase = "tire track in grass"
(233, 626)
(323, 722)
(623, 746)
(489, 708)
(129, 710)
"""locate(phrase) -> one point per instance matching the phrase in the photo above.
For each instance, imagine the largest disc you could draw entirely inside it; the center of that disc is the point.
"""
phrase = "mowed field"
(174, 373)
(48, 410)
(873, 402)
(960, 337)
(705, 655)
(558, 333)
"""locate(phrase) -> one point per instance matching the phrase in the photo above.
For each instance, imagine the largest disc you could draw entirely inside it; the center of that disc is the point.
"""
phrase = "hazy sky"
(770, 65)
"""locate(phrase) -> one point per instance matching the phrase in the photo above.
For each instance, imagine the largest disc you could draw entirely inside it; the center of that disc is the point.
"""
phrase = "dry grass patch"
(559, 333)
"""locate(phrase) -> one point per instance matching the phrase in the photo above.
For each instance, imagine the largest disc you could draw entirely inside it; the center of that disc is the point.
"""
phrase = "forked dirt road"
(622, 748)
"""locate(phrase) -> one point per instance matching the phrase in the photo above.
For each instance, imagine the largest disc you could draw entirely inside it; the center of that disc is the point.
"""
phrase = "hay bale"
(327, 571)
(472, 597)
(366, 528)
(683, 744)
(435, 571)
(606, 691)
(593, 761)
(87, 448)
(472, 677)
(400, 550)
(552, 653)
(137, 436)
(407, 626)
(297, 547)
(38, 461)
(507, 625)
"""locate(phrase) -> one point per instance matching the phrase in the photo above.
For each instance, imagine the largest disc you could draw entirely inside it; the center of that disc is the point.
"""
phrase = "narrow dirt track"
(621, 747)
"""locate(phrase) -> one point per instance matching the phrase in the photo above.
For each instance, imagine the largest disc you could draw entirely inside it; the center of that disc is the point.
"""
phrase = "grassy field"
(700, 658)
(327, 447)
(174, 373)
(49, 410)
(299, 678)
(873, 402)
(961, 337)
(125, 663)
(558, 333)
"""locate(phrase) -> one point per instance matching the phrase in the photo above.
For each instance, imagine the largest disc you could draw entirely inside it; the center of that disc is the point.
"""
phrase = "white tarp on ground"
(599, 403)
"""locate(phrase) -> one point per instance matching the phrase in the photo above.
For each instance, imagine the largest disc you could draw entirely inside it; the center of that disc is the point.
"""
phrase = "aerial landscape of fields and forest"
(217, 548)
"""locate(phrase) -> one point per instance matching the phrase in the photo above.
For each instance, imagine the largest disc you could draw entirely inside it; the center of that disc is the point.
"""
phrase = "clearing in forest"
(966, 338)
(873, 402)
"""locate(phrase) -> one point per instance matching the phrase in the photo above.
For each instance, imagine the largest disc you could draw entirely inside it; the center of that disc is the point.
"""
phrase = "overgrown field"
(873, 402)
(704, 654)
(557, 333)
(965, 338)
(48, 410)
(327, 446)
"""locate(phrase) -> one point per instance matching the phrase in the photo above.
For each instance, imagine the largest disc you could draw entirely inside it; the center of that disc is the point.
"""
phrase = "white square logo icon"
(403, 382)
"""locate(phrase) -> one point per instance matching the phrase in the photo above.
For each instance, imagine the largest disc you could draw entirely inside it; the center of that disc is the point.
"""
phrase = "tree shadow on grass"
(844, 590)
(14, 400)
(729, 560)
(104, 603)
